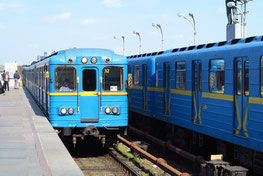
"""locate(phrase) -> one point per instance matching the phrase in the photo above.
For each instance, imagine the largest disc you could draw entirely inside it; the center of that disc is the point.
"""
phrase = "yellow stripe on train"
(86, 93)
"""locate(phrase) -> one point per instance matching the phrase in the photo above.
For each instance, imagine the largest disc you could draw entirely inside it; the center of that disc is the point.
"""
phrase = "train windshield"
(65, 79)
(112, 78)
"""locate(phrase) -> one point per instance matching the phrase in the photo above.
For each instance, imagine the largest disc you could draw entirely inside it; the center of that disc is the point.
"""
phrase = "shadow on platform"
(33, 103)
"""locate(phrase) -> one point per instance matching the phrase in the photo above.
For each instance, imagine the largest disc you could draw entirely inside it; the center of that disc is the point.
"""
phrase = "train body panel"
(74, 87)
(214, 89)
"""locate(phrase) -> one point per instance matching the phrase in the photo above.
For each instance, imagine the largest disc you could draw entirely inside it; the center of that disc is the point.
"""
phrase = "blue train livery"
(82, 92)
(207, 97)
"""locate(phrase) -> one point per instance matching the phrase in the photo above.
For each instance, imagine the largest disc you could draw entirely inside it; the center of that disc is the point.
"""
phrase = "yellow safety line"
(245, 122)
(137, 87)
(199, 114)
(217, 96)
(195, 108)
(238, 116)
(256, 100)
(165, 98)
(169, 105)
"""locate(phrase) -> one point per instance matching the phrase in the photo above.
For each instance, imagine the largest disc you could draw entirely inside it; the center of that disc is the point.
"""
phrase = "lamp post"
(243, 13)
(123, 43)
(192, 22)
(158, 26)
(140, 44)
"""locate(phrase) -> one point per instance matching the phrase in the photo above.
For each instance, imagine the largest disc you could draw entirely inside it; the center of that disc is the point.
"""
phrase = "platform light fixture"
(158, 26)
(192, 22)
(140, 41)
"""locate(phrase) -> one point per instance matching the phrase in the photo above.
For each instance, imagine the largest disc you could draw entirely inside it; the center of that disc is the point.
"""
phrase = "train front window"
(112, 78)
(217, 76)
(89, 81)
(65, 79)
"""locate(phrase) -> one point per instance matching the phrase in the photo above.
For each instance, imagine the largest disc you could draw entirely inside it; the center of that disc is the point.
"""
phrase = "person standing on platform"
(16, 77)
(3, 77)
(2, 90)
(6, 81)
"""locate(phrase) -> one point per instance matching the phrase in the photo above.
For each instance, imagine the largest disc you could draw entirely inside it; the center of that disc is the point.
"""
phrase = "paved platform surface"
(28, 143)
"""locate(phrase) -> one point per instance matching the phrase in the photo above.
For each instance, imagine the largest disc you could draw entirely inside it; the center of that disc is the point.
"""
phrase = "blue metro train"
(81, 91)
(203, 97)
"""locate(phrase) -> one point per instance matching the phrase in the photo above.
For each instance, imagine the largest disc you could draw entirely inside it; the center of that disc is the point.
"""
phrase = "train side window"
(156, 74)
(180, 75)
(65, 79)
(136, 73)
(238, 77)
(261, 76)
(217, 75)
(112, 78)
(246, 78)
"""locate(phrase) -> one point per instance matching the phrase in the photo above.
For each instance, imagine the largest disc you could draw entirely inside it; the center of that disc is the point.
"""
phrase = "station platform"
(28, 143)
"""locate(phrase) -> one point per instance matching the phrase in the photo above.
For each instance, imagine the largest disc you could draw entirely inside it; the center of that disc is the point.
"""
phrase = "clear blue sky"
(30, 27)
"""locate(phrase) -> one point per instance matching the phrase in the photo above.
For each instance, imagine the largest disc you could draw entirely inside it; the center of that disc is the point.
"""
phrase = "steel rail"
(158, 161)
(128, 170)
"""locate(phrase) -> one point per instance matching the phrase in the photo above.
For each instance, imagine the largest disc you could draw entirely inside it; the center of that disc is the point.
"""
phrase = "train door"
(167, 86)
(89, 100)
(197, 92)
(47, 87)
(145, 95)
(241, 96)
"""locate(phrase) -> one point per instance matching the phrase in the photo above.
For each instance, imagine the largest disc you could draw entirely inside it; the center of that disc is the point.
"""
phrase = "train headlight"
(115, 110)
(84, 60)
(107, 110)
(93, 60)
(70, 111)
(63, 111)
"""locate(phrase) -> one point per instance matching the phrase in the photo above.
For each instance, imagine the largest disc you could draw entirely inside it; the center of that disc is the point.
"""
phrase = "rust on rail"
(158, 161)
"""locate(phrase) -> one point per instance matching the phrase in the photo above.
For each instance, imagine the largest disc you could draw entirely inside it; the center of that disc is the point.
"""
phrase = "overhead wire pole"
(192, 22)
(140, 41)
(158, 26)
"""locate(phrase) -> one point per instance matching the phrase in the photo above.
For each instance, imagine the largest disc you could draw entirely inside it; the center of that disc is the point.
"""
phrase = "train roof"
(203, 46)
(62, 56)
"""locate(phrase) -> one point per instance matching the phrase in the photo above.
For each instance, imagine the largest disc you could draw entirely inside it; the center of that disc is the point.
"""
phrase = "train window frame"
(261, 77)
(75, 79)
(177, 71)
(136, 75)
(209, 78)
(156, 74)
(121, 79)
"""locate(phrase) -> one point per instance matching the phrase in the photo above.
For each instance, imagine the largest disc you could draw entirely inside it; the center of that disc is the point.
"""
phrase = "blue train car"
(81, 91)
(207, 95)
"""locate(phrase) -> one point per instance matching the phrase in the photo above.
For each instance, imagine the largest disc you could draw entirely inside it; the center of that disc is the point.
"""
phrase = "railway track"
(108, 164)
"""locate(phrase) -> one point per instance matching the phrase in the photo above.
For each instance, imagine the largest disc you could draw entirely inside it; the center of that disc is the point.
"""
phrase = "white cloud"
(5, 6)
(60, 17)
(112, 3)
(88, 21)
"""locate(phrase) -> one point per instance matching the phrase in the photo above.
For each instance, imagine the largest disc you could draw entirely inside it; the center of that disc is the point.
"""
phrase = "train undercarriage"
(200, 144)
(107, 136)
